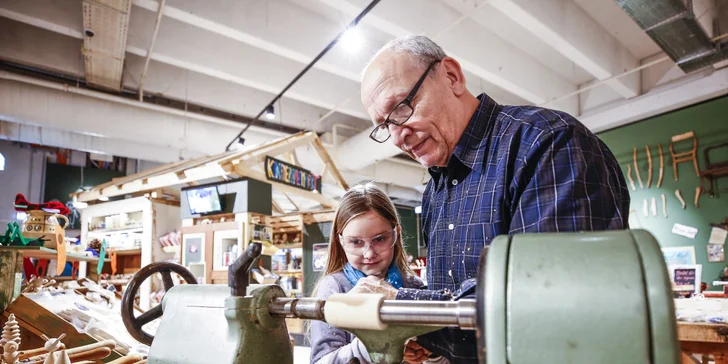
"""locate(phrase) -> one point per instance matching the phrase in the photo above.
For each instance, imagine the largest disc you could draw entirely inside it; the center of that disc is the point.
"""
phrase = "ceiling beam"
(689, 90)
(58, 52)
(207, 54)
(243, 21)
(496, 61)
(567, 28)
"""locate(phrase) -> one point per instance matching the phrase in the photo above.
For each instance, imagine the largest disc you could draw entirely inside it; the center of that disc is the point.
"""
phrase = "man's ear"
(454, 74)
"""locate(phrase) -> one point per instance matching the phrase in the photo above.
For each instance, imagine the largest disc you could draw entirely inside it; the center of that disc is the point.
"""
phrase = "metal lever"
(238, 276)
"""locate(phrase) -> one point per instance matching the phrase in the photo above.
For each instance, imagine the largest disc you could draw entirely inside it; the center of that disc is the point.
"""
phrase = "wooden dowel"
(129, 359)
(94, 354)
(22, 355)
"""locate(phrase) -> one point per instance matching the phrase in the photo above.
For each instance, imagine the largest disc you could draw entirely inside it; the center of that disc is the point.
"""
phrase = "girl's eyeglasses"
(359, 246)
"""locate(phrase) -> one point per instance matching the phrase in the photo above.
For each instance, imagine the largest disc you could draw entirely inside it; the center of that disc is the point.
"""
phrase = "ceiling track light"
(353, 24)
(270, 112)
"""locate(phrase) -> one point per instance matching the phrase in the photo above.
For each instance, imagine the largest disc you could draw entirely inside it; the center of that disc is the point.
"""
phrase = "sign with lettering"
(685, 277)
(286, 173)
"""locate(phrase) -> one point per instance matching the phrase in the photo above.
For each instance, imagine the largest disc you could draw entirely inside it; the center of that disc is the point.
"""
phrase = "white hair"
(419, 47)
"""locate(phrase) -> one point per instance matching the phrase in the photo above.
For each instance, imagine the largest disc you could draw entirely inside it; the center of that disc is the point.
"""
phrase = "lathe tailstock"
(598, 297)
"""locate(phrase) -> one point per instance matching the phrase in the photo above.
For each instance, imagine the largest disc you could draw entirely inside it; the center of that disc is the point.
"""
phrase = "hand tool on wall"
(679, 197)
(649, 166)
(662, 165)
(664, 205)
(645, 208)
(636, 168)
(691, 155)
(653, 207)
(697, 195)
(629, 177)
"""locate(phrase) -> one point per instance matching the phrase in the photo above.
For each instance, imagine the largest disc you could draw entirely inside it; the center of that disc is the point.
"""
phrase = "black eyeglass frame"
(407, 101)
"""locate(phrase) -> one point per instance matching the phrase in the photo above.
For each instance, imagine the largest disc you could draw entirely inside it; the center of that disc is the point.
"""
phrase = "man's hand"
(414, 353)
(372, 284)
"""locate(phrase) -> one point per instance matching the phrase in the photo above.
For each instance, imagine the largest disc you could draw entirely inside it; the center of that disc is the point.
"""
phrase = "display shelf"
(116, 231)
(129, 251)
(39, 252)
(289, 246)
(289, 271)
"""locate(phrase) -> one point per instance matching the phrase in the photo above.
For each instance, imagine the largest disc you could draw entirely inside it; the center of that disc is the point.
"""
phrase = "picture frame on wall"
(679, 255)
(716, 253)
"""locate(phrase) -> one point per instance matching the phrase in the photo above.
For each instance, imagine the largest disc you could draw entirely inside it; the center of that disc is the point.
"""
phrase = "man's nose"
(399, 134)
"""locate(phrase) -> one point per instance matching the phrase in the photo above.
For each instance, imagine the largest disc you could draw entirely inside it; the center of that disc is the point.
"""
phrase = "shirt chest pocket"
(478, 205)
(465, 249)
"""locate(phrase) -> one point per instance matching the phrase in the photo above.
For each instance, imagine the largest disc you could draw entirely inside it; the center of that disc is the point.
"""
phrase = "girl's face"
(367, 226)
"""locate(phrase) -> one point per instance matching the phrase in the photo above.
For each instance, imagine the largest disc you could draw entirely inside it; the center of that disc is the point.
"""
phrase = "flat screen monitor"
(204, 200)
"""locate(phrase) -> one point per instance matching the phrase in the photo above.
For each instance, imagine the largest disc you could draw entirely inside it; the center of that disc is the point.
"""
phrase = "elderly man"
(495, 170)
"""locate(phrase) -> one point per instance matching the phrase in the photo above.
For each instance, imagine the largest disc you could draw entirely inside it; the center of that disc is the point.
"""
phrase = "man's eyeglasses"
(359, 246)
(401, 113)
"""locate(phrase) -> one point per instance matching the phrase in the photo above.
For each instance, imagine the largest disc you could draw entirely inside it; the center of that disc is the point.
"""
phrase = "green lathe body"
(601, 297)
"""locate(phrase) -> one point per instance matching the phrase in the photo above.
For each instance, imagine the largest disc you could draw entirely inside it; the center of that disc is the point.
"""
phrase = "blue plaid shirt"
(515, 169)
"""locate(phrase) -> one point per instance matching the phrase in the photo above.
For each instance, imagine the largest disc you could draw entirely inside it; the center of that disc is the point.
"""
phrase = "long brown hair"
(358, 200)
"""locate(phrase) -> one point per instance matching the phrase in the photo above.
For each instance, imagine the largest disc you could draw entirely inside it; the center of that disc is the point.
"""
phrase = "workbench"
(704, 338)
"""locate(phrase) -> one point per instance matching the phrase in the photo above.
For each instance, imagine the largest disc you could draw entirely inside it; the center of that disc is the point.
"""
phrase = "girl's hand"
(373, 284)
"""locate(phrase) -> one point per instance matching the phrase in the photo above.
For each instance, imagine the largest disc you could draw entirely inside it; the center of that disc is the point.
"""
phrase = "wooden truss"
(247, 162)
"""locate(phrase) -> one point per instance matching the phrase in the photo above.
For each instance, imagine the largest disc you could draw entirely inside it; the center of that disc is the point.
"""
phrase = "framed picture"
(686, 278)
(716, 253)
(680, 255)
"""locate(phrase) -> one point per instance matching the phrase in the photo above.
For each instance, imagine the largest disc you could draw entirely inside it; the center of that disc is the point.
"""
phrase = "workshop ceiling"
(235, 56)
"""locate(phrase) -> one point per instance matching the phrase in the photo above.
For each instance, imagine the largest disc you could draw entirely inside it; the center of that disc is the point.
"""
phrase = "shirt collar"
(467, 151)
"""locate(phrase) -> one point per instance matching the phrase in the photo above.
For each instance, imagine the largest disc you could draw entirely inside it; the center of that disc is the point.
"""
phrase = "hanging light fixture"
(270, 113)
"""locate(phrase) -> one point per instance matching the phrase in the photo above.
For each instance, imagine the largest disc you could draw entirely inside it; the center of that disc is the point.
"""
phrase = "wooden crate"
(36, 319)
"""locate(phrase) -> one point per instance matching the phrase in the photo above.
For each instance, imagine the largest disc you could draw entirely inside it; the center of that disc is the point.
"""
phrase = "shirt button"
(451, 226)
(454, 182)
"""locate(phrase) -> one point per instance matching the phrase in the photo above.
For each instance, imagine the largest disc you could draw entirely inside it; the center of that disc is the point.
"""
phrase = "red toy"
(21, 204)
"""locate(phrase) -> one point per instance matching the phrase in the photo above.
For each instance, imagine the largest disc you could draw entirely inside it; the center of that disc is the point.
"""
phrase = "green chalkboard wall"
(709, 122)
(408, 220)
(61, 180)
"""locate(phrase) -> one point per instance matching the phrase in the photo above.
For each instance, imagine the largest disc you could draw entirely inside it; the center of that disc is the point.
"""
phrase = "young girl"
(366, 240)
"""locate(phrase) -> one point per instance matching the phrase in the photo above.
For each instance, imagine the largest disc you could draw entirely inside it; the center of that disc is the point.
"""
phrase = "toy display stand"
(131, 227)
(11, 268)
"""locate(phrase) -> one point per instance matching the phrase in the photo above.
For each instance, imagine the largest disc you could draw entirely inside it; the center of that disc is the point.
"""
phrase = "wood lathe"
(597, 297)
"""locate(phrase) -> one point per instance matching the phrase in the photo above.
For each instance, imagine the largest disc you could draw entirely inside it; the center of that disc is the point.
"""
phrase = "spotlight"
(270, 112)
(352, 40)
